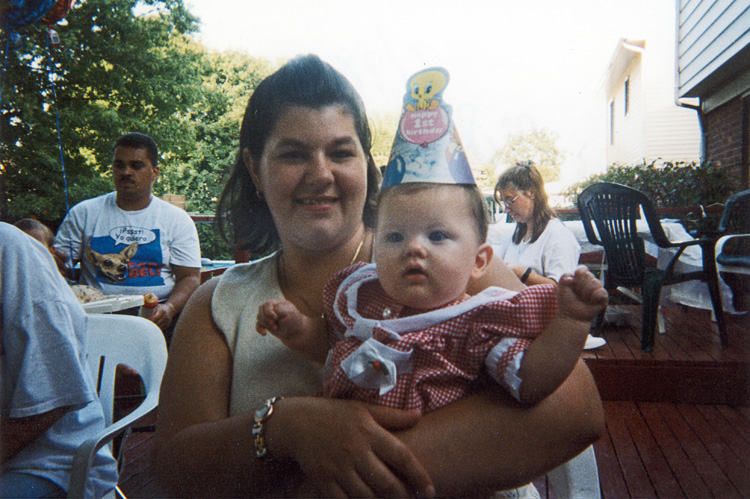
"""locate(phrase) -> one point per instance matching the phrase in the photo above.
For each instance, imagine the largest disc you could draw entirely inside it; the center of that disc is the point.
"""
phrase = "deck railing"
(682, 212)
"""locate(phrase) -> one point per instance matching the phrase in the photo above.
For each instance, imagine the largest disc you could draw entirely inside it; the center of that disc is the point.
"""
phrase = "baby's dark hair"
(29, 226)
(473, 196)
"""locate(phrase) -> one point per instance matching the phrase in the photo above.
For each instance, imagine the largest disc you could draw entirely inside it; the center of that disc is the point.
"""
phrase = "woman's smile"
(319, 201)
(318, 204)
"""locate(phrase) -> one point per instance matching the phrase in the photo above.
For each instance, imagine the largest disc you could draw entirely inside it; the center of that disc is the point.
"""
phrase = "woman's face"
(313, 175)
(518, 204)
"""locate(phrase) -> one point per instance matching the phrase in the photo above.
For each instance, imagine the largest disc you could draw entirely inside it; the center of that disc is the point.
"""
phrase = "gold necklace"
(359, 247)
(283, 282)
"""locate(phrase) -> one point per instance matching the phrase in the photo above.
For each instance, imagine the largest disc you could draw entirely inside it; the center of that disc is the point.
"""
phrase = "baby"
(404, 333)
(38, 231)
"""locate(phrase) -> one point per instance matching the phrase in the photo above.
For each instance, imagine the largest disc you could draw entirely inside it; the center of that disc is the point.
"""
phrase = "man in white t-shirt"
(131, 242)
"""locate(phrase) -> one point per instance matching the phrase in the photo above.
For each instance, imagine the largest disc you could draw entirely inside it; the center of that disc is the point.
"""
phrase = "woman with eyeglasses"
(541, 249)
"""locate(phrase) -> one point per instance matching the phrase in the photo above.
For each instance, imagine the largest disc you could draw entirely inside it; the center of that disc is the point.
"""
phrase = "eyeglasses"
(509, 203)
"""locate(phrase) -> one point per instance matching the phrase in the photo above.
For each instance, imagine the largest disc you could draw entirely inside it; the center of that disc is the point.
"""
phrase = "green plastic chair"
(734, 226)
(609, 213)
(733, 247)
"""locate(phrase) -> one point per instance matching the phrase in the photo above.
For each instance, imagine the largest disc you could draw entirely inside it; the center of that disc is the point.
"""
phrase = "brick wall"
(724, 137)
(175, 199)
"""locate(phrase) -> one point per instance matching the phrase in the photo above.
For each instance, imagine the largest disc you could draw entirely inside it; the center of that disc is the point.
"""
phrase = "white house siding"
(655, 128)
(711, 33)
(628, 144)
(672, 133)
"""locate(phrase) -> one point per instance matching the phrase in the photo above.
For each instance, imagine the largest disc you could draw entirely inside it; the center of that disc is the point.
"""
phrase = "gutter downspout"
(701, 116)
(697, 108)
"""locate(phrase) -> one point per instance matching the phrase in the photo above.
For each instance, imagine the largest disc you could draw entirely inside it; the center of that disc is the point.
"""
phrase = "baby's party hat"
(427, 147)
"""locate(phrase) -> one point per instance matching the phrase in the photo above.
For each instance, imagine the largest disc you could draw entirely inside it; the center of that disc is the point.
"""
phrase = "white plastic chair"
(114, 340)
(728, 264)
(578, 478)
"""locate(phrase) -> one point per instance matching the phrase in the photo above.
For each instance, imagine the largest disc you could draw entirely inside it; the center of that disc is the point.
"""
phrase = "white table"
(691, 293)
(113, 304)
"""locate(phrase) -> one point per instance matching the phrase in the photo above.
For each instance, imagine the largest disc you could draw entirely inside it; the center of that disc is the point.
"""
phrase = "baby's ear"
(482, 261)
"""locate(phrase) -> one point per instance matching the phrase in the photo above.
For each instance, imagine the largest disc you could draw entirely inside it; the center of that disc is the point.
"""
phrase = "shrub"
(212, 245)
(671, 184)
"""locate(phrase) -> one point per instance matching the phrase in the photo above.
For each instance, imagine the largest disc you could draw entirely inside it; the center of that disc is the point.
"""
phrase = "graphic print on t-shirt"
(127, 256)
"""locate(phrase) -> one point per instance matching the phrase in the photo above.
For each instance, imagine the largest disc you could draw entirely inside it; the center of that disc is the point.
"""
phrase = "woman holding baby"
(302, 192)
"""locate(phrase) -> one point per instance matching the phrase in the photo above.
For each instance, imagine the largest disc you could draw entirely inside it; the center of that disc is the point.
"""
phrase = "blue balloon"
(394, 172)
(23, 12)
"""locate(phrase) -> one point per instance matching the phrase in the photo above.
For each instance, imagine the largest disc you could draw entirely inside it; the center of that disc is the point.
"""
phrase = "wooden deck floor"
(658, 449)
(678, 419)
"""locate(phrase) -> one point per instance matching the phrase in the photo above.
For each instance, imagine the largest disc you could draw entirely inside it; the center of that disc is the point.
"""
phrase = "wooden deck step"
(688, 363)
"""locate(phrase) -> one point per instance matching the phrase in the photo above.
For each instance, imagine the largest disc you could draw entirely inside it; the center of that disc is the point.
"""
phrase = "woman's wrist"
(260, 418)
(525, 275)
(275, 429)
(292, 420)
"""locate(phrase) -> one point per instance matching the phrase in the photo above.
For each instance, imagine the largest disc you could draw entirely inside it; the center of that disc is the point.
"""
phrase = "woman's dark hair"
(525, 177)
(306, 81)
(474, 197)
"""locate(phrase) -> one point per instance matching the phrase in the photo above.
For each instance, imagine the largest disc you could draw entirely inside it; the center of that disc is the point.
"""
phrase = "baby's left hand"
(581, 296)
(278, 317)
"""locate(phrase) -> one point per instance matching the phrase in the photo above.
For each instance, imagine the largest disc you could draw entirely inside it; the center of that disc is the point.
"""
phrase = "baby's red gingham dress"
(447, 357)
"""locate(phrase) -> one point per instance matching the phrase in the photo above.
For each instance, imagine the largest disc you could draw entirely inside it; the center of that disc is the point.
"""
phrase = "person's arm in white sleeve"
(68, 244)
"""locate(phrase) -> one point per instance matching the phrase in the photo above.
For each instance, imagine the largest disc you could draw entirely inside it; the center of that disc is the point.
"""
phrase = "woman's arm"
(201, 451)
(482, 442)
(532, 278)
(198, 450)
(488, 441)
(498, 273)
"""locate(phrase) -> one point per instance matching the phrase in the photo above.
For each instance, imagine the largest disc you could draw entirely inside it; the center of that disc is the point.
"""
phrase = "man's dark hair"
(137, 140)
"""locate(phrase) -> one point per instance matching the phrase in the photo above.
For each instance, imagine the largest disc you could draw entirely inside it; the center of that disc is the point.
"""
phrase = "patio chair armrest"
(84, 456)
(681, 246)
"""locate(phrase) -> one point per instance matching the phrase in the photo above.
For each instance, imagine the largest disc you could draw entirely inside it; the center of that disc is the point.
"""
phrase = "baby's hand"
(304, 335)
(581, 296)
(278, 317)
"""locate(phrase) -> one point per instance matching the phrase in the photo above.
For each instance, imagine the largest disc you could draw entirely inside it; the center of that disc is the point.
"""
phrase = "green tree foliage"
(227, 80)
(199, 172)
(383, 126)
(123, 65)
(538, 145)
